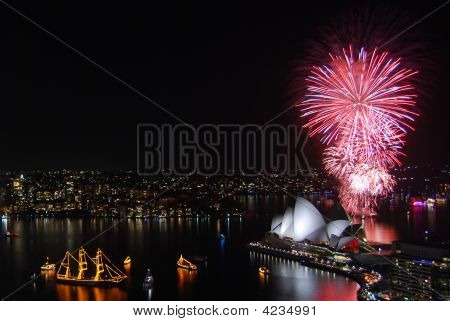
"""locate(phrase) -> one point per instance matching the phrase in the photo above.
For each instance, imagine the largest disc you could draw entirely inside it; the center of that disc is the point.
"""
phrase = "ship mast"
(105, 270)
(65, 264)
(99, 265)
(82, 263)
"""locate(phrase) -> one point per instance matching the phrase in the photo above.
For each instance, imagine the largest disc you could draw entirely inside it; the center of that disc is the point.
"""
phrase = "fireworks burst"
(361, 106)
(349, 95)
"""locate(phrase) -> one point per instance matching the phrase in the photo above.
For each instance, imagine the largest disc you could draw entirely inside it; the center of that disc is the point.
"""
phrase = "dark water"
(231, 272)
(393, 224)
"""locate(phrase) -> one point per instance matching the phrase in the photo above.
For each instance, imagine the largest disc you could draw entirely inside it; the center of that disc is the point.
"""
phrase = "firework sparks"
(349, 95)
(361, 106)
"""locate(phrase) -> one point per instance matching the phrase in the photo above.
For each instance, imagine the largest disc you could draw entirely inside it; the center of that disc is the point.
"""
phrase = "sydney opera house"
(304, 223)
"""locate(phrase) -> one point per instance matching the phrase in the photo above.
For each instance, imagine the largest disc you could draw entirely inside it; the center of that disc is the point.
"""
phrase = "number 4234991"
(289, 310)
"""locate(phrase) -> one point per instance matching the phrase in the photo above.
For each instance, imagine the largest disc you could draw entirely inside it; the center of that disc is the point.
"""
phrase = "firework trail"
(362, 107)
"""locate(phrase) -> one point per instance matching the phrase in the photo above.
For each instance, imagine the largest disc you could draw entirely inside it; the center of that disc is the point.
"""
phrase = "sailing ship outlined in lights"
(105, 272)
(185, 264)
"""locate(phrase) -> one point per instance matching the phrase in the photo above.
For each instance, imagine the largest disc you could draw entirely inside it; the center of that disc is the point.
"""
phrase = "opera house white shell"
(305, 222)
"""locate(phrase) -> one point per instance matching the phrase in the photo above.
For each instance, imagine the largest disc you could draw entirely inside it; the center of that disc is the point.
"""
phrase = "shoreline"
(363, 292)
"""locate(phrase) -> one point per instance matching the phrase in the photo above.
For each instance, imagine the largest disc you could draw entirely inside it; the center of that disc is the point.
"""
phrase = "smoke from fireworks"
(361, 106)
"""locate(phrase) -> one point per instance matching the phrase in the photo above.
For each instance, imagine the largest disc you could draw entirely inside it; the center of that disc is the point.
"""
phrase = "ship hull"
(186, 267)
(88, 282)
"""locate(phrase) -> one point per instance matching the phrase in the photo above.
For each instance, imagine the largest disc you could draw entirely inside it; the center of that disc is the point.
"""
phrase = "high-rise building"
(18, 186)
(421, 271)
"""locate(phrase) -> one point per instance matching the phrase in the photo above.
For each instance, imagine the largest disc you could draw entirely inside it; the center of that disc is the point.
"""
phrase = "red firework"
(361, 105)
(352, 93)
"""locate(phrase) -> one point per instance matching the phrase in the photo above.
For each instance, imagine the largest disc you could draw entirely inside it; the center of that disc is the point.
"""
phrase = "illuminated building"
(124, 193)
(18, 186)
(421, 271)
(305, 223)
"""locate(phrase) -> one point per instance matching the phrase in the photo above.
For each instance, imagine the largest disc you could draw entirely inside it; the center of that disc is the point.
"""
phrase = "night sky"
(207, 63)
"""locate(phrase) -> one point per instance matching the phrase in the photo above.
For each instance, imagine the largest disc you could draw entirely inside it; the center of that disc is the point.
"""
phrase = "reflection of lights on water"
(297, 280)
(4, 225)
(185, 280)
(127, 268)
(48, 275)
(263, 279)
(379, 231)
(148, 294)
(65, 292)
(186, 276)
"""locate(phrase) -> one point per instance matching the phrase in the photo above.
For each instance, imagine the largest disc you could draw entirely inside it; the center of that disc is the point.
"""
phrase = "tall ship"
(87, 270)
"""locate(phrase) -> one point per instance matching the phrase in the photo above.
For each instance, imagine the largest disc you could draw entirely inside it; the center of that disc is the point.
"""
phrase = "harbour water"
(230, 272)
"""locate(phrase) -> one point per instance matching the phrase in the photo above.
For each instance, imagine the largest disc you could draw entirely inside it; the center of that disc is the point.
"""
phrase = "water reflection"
(127, 269)
(263, 280)
(295, 281)
(48, 276)
(148, 294)
(378, 231)
(157, 243)
(186, 282)
(398, 221)
(66, 292)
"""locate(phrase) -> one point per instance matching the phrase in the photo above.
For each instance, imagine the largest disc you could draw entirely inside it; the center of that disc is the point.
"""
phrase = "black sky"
(218, 62)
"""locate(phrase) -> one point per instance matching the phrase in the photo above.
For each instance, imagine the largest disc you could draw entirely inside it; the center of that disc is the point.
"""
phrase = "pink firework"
(379, 145)
(361, 105)
(367, 180)
(339, 161)
(360, 189)
(350, 94)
